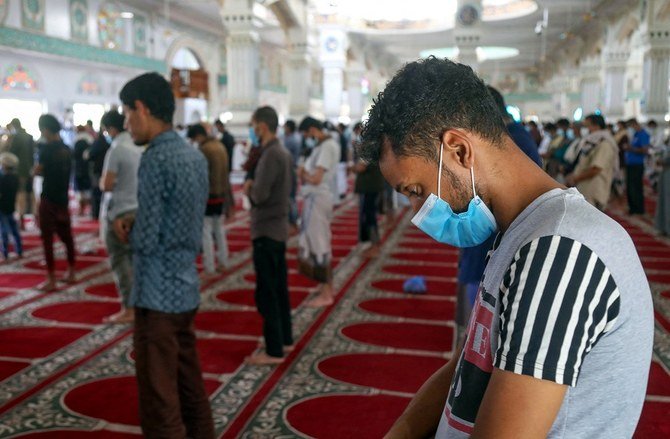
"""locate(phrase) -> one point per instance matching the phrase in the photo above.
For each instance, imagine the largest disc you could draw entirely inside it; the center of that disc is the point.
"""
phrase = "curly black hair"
(423, 100)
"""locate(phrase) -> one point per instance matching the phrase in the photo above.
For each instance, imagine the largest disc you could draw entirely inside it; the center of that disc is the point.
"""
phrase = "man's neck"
(158, 129)
(516, 182)
(267, 140)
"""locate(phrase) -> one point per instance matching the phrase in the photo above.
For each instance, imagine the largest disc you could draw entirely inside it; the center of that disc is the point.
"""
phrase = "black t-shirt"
(9, 185)
(56, 161)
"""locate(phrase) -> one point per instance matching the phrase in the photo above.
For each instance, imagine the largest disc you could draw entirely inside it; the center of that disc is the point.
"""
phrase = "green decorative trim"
(223, 79)
(575, 96)
(523, 97)
(274, 88)
(55, 46)
(634, 95)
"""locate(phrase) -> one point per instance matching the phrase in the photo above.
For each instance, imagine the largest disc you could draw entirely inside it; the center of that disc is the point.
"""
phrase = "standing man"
(220, 199)
(598, 160)
(228, 141)
(166, 237)
(635, 156)
(23, 147)
(119, 178)
(293, 142)
(268, 193)
(369, 184)
(563, 292)
(55, 165)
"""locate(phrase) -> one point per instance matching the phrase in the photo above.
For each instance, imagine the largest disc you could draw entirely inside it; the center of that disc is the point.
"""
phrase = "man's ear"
(458, 147)
(141, 108)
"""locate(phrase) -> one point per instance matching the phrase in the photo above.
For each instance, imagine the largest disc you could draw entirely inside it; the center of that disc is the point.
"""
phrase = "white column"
(655, 83)
(333, 55)
(299, 73)
(656, 41)
(615, 85)
(242, 60)
(356, 104)
(590, 85)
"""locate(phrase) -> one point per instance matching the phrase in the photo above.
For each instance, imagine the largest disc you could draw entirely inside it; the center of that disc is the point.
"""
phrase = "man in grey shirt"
(269, 196)
(560, 337)
(119, 182)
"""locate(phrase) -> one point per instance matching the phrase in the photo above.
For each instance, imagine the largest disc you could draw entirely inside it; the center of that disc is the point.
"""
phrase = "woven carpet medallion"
(356, 364)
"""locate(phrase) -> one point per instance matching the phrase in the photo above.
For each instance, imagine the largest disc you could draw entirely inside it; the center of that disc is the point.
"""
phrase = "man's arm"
(146, 225)
(107, 181)
(265, 177)
(585, 175)
(517, 407)
(422, 415)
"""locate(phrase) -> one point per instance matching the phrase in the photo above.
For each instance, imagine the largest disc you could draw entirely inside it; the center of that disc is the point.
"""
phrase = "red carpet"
(412, 308)
(36, 342)
(654, 422)
(446, 257)
(348, 416)
(77, 312)
(21, 280)
(423, 270)
(294, 280)
(402, 335)
(9, 368)
(120, 395)
(394, 372)
(659, 381)
(61, 264)
(246, 297)
(230, 322)
(103, 290)
(223, 356)
(435, 287)
(72, 434)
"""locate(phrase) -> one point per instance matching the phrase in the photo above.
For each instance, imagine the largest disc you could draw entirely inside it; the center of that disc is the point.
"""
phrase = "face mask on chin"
(468, 229)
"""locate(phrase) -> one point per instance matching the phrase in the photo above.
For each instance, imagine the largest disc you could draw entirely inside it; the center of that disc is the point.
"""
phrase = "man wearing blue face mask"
(547, 351)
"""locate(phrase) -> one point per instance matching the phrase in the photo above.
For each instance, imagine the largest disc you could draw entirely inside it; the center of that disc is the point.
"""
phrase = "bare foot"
(122, 317)
(320, 301)
(262, 359)
(48, 286)
(70, 278)
(371, 252)
(289, 348)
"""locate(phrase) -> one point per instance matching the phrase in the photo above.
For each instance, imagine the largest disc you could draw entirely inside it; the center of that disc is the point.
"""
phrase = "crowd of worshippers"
(164, 194)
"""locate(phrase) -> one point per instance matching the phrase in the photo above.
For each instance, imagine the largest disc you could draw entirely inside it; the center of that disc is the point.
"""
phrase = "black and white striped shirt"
(557, 300)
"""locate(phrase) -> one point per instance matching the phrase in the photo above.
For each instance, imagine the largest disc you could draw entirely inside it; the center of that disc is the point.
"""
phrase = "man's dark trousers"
(272, 297)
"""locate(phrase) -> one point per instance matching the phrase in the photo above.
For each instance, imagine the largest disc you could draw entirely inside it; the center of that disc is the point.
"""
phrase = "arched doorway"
(189, 80)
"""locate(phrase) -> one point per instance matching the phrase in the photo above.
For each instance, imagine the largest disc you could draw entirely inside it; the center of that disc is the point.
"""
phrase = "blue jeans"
(8, 225)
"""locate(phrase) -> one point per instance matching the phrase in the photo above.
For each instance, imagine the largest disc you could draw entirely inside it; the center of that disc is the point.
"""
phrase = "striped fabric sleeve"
(557, 300)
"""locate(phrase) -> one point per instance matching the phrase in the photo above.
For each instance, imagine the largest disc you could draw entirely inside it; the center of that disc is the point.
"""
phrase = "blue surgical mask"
(570, 134)
(108, 138)
(253, 138)
(310, 142)
(467, 229)
(560, 132)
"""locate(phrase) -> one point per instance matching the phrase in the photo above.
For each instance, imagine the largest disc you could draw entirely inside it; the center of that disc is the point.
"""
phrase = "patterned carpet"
(356, 364)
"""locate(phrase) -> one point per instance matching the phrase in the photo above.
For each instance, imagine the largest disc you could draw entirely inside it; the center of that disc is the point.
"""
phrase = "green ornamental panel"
(32, 14)
(110, 26)
(79, 20)
(140, 34)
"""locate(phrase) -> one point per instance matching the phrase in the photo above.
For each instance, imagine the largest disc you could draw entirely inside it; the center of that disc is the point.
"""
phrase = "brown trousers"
(55, 220)
(173, 400)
